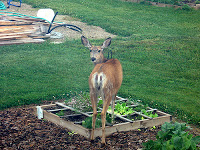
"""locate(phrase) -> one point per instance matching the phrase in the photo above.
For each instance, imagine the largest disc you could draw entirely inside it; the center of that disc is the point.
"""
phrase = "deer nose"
(93, 59)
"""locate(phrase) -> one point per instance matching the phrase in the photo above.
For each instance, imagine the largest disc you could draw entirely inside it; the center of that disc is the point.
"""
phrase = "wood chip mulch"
(20, 129)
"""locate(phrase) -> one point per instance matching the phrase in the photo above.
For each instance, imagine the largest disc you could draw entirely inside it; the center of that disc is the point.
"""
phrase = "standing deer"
(105, 81)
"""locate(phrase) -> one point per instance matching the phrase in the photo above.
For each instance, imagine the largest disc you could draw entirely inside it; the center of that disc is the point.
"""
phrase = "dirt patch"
(91, 32)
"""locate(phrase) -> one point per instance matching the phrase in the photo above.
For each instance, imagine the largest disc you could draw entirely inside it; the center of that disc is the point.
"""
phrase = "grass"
(158, 49)
(35, 72)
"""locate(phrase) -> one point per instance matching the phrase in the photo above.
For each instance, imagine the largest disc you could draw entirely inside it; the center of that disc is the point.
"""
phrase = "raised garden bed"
(72, 119)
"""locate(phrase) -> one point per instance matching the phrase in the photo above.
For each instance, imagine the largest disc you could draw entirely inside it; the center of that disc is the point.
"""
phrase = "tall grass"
(158, 49)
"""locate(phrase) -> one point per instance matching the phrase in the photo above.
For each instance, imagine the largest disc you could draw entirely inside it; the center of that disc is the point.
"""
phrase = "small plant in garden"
(153, 128)
(72, 133)
(60, 113)
(173, 137)
(100, 103)
(140, 107)
(150, 113)
(87, 123)
(122, 109)
(197, 2)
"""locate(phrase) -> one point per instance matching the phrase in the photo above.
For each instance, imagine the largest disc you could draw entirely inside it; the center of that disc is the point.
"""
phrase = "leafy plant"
(122, 109)
(197, 2)
(100, 103)
(60, 113)
(87, 123)
(140, 107)
(72, 133)
(150, 113)
(173, 137)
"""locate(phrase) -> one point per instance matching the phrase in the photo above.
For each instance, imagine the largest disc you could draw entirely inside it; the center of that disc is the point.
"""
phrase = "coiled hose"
(2, 6)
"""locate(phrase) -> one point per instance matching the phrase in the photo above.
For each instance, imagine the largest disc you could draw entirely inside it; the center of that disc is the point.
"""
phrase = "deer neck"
(103, 61)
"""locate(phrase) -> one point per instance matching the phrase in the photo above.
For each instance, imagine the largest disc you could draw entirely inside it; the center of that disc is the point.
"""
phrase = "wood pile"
(19, 30)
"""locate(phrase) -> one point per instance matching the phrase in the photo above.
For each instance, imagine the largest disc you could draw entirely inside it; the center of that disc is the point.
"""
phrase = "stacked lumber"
(19, 30)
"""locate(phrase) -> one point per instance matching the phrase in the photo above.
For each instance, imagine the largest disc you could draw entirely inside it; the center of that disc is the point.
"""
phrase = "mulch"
(20, 129)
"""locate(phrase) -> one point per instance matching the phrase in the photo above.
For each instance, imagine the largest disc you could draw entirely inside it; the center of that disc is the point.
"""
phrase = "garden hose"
(2, 6)
(72, 27)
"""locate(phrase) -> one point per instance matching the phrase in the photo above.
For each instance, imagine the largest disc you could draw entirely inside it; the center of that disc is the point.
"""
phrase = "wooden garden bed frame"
(126, 126)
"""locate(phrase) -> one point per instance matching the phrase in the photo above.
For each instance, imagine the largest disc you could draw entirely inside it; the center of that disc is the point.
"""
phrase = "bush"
(173, 137)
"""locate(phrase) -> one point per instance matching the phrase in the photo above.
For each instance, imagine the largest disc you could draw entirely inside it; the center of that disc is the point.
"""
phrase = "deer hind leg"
(93, 98)
(103, 116)
(113, 107)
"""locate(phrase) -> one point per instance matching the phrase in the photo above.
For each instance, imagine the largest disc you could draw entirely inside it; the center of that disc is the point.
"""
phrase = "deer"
(104, 81)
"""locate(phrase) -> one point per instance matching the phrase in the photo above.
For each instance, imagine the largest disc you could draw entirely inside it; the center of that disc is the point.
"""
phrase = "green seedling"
(153, 128)
(150, 113)
(60, 113)
(72, 133)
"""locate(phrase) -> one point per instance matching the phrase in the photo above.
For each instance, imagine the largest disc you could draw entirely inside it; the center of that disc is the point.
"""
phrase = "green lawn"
(159, 49)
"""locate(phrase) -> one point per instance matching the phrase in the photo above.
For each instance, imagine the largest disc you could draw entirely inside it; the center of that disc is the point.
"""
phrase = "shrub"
(173, 137)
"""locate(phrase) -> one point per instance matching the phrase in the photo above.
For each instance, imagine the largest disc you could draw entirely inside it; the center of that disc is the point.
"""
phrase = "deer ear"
(85, 42)
(106, 43)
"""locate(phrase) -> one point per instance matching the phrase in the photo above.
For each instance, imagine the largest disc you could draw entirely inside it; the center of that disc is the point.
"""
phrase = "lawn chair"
(9, 3)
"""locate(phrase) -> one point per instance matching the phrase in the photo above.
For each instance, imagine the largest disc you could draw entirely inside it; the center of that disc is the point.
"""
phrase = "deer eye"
(90, 50)
(99, 51)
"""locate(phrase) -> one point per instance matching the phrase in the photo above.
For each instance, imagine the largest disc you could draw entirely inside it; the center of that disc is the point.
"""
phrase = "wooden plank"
(14, 37)
(11, 23)
(11, 29)
(21, 18)
(23, 41)
(66, 124)
(16, 33)
(30, 19)
(21, 30)
(55, 110)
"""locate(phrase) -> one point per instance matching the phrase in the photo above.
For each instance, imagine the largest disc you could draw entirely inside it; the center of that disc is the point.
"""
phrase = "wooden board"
(125, 126)
(20, 30)
(22, 41)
